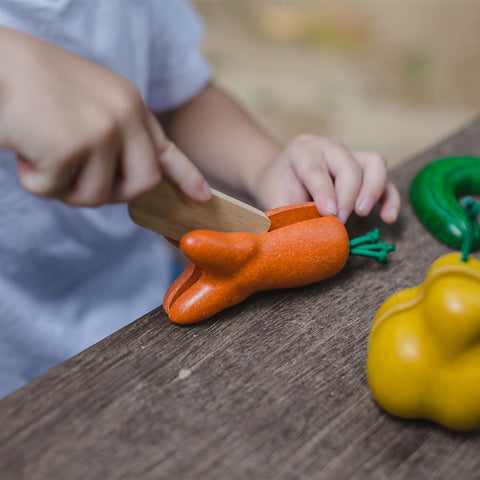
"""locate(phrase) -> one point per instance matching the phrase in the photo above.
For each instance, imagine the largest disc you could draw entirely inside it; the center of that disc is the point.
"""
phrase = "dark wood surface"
(274, 388)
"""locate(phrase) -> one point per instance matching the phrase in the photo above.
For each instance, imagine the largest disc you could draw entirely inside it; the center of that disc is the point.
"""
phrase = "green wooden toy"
(435, 195)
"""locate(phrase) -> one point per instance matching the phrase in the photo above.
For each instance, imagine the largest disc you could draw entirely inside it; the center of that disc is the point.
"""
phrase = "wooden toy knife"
(168, 211)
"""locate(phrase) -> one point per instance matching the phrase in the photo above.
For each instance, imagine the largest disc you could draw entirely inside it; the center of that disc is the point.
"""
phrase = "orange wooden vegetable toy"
(300, 248)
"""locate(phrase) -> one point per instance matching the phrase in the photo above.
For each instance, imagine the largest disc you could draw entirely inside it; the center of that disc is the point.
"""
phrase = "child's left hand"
(337, 179)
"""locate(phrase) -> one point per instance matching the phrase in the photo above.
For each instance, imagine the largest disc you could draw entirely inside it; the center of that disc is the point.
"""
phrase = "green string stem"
(368, 245)
(369, 237)
(380, 257)
(473, 209)
(376, 246)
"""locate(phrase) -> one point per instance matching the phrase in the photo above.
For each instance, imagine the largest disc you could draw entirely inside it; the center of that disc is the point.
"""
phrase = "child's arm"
(228, 145)
(82, 133)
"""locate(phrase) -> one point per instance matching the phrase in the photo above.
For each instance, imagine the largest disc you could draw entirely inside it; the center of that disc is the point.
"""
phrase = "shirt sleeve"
(179, 70)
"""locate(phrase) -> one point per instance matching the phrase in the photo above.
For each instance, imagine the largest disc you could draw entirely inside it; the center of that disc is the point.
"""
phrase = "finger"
(390, 204)
(176, 166)
(24, 167)
(374, 181)
(137, 169)
(50, 182)
(347, 176)
(92, 186)
(314, 175)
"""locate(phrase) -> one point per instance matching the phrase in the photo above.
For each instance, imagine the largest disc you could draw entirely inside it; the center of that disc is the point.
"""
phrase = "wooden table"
(273, 388)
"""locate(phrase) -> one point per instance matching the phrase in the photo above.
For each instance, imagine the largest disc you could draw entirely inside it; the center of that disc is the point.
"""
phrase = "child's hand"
(82, 133)
(338, 180)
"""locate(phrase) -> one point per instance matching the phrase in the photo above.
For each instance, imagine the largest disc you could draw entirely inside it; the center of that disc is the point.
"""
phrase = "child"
(77, 93)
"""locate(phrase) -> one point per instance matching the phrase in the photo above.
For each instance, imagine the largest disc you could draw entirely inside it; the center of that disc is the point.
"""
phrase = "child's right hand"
(322, 169)
(81, 132)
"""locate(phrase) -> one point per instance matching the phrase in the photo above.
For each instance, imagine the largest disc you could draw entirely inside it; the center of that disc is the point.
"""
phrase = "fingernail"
(364, 205)
(391, 215)
(332, 206)
(206, 192)
(343, 215)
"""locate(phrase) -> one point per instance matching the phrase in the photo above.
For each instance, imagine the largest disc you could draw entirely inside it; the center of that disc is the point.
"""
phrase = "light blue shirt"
(71, 276)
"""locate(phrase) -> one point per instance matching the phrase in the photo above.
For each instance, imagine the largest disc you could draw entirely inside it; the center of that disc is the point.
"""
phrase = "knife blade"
(168, 211)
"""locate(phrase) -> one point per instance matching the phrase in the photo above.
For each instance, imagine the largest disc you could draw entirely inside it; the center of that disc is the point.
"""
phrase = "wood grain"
(273, 388)
(166, 210)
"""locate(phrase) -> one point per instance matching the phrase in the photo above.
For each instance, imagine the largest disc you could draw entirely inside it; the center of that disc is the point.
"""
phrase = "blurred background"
(393, 76)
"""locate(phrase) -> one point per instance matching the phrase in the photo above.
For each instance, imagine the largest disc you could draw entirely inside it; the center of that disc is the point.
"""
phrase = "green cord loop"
(473, 209)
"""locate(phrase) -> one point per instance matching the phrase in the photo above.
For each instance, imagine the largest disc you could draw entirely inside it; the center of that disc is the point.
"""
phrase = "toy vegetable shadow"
(300, 248)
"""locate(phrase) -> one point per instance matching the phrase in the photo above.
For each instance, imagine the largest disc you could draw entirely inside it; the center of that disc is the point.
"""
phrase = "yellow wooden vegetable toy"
(424, 347)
